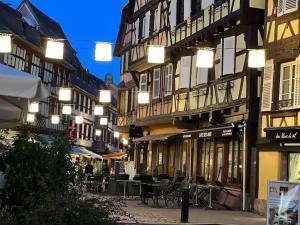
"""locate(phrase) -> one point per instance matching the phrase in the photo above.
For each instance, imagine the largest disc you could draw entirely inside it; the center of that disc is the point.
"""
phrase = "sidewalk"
(144, 214)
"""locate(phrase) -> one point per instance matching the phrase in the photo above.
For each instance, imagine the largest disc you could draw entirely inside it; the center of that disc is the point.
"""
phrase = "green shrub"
(43, 189)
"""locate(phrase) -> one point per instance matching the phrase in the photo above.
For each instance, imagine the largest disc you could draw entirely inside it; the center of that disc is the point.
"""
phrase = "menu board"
(283, 203)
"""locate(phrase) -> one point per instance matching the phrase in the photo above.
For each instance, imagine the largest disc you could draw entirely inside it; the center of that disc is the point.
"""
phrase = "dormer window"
(180, 12)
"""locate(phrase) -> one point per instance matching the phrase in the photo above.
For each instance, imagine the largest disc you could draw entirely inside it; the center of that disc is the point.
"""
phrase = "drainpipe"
(244, 166)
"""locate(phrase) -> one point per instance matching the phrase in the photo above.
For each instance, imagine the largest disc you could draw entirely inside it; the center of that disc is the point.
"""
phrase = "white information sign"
(283, 203)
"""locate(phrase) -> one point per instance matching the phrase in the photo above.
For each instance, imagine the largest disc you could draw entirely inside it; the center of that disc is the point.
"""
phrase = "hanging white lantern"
(105, 96)
(34, 107)
(99, 110)
(30, 118)
(116, 134)
(55, 119)
(125, 141)
(103, 52)
(78, 119)
(64, 94)
(205, 58)
(67, 110)
(143, 98)
(5, 43)
(103, 121)
(156, 54)
(54, 49)
(257, 58)
(98, 132)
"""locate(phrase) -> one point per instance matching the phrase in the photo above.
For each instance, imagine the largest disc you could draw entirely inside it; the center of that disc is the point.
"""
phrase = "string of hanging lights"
(103, 53)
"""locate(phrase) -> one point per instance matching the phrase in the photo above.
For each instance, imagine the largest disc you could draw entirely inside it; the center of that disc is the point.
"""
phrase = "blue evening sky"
(92, 20)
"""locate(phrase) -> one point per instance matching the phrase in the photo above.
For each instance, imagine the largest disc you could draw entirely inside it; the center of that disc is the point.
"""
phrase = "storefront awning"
(160, 137)
(114, 155)
(215, 132)
(283, 134)
(84, 152)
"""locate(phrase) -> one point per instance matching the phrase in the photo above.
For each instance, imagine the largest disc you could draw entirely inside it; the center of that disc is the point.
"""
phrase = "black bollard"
(185, 205)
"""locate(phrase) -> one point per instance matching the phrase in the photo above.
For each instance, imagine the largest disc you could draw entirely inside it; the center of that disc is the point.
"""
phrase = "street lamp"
(30, 118)
(67, 110)
(257, 58)
(55, 119)
(99, 110)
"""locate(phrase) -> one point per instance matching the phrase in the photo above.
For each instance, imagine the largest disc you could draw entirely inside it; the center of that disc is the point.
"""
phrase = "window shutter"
(185, 72)
(297, 84)
(290, 5)
(137, 24)
(206, 3)
(202, 76)
(266, 101)
(187, 9)
(173, 9)
(280, 4)
(158, 17)
(156, 83)
(228, 55)
(147, 25)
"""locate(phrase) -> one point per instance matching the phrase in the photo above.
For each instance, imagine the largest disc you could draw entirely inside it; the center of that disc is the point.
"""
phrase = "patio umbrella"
(84, 152)
(16, 89)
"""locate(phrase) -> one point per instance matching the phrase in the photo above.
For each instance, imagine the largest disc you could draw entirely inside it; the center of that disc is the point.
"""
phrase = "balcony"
(126, 119)
(211, 18)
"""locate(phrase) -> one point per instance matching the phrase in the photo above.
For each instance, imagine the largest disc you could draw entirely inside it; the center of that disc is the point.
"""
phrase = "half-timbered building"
(196, 117)
(30, 29)
(279, 138)
(151, 125)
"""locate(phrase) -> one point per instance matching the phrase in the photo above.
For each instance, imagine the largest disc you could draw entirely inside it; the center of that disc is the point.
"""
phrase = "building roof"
(122, 28)
(47, 25)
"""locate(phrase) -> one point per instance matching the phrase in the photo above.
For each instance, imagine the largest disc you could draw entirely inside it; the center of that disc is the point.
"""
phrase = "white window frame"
(156, 79)
(143, 85)
(168, 80)
(143, 28)
(291, 82)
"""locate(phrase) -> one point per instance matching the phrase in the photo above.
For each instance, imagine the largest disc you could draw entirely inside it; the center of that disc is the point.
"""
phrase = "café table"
(126, 182)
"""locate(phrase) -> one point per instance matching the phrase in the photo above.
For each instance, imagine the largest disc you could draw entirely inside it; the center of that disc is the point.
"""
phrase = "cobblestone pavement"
(144, 214)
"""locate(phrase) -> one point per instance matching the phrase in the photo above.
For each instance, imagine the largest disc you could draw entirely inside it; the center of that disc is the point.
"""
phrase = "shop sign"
(217, 133)
(186, 136)
(283, 203)
(283, 134)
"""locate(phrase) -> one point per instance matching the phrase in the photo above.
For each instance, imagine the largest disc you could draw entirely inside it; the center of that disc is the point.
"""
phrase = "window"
(82, 103)
(287, 84)
(294, 167)
(142, 30)
(195, 7)
(35, 66)
(206, 3)
(143, 82)
(77, 101)
(228, 55)
(286, 6)
(202, 76)
(185, 72)
(180, 12)
(168, 79)
(156, 83)
(16, 58)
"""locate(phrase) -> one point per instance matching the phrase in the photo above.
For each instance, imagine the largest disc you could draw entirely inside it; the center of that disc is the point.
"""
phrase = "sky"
(85, 22)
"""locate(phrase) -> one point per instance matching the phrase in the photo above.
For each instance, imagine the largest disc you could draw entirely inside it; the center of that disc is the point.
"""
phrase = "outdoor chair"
(173, 193)
(147, 190)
